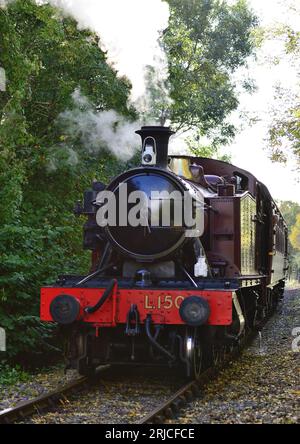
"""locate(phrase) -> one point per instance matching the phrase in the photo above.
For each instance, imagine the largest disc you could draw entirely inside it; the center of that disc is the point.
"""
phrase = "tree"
(291, 214)
(156, 102)
(284, 135)
(295, 242)
(295, 234)
(284, 131)
(211, 150)
(290, 210)
(205, 42)
(45, 58)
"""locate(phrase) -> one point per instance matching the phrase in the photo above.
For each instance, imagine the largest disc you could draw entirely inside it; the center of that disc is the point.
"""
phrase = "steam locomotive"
(203, 262)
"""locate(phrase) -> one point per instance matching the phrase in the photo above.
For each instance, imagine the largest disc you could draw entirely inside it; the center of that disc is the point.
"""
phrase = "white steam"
(2, 79)
(128, 31)
(100, 130)
(178, 146)
(4, 3)
(59, 156)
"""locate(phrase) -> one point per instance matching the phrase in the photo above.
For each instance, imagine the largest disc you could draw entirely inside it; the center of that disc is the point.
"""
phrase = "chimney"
(155, 141)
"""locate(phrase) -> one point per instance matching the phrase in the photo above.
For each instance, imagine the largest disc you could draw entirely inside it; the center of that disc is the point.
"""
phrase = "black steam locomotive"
(188, 255)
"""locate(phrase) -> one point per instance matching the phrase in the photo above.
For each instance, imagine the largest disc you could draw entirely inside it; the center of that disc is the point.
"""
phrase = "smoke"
(61, 156)
(100, 130)
(128, 31)
(4, 3)
(2, 78)
(178, 145)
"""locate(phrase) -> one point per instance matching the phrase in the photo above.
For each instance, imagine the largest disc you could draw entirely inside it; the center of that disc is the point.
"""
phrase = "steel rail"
(46, 401)
(166, 410)
(170, 408)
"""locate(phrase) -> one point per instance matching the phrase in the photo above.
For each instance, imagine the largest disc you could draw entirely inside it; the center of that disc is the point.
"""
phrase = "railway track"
(64, 399)
(47, 401)
(171, 407)
(168, 409)
(41, 403)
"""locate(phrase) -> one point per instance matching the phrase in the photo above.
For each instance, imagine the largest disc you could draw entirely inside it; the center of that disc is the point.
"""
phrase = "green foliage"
(289, 210)
(295, 234)
(206, 41)
(12, 375)
(284, 131)
(30, 258)
(291, 214)
(156, 103)
(210, 151)
(45, 59)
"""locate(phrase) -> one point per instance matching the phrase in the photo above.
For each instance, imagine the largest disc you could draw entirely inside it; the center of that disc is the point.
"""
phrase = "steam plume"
(4, 3)
(128, 31)
(98, 130)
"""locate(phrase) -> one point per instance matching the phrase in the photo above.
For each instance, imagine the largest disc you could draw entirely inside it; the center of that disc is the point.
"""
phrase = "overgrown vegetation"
(291, 214)
(206, 42)
(45, 59)
(284, 131)
(11, 375)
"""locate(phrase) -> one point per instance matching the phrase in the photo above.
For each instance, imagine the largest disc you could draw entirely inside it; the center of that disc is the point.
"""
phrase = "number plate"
(165, 302)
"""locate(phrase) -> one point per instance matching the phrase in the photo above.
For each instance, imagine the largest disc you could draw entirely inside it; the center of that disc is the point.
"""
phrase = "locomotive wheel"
(194, 352)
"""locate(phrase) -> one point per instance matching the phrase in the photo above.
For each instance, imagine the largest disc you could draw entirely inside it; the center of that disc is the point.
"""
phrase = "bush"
(12, 375)
(45, 58)
(30, 258)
